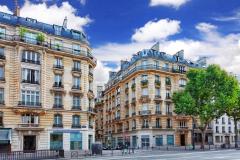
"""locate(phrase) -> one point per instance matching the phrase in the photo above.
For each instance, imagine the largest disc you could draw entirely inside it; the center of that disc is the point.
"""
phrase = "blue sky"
(119, 28)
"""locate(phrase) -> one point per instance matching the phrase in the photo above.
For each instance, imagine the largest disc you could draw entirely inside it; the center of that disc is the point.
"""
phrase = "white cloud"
(156, 30)
(169, 3)
(54, 14)
(5, 9)
(220, 49)
(235, 16)
(83, 2)
(205, 27)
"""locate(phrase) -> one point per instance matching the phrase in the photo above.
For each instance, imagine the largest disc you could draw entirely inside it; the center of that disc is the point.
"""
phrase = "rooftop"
(13, 20)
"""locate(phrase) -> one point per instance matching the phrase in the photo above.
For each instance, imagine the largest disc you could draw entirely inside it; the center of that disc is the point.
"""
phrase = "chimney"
(65, 23)
(17, 9)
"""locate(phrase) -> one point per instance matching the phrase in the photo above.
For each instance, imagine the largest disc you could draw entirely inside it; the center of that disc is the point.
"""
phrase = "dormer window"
(31, 20)
(76, 35)
(6, 16)
(58, 30)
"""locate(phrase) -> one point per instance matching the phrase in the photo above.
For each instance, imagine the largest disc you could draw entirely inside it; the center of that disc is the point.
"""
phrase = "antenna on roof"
(17, 9)
(155, 47)
(65, 23)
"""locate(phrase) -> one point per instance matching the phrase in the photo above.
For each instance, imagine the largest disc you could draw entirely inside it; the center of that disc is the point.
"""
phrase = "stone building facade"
(46, 86)
(138, 110)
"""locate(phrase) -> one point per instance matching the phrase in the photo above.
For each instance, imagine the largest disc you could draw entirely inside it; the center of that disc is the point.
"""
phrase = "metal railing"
(30, 155)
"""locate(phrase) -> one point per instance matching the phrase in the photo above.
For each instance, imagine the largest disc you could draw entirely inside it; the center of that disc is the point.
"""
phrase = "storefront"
(5, 139)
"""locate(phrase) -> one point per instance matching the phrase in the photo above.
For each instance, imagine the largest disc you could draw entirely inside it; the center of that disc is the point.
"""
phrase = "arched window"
(182, 82)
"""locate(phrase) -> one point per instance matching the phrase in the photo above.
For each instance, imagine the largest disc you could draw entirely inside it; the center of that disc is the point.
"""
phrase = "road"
(168, 155)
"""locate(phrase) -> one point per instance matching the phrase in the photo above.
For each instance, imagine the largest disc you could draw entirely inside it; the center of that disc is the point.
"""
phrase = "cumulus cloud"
(156, 30)
(220, 49)
(54, 14)
(169, 3)
(83, 2)
(5, 9)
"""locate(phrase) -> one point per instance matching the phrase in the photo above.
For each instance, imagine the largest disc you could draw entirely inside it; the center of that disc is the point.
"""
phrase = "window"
(169, 123)
(31, 20)
(30, 76)
(30, 98)
(145, 141)
(76, 120)
(58, 44)
(168, 94)
(217, 129)
(30, 119)
(31, 37)
(217, 122)
(166, 66)
(223, 120)
(158, 107)
(217, 139)
(1, 119)
(58, 30)
(229, 120)
(144, 77)
(182, 82)
(168, 108)
(156, 63)
(168, 81)
(58, 100)
(58, 120)
(6, 16)
(84, 50)
(144, 107)
(31, 57)
(76, 35)
(133, 95)
(182, 124)
(1, 96)
(2, 32)
(2, 54)
(144, 91)
(58, 80)
(76, 49)
(77, 65)
(76, 82)
(145, 123)
(181, 69)
(76, 141)
(223, 129)
(144, 63)
(56, 141)
(2, 73)
(58, 63)
(158, 124)
(159, 140)
(157, 78)
(170, 140)
(134, 123)
(157, 91)
(76, 102)
(229, 129)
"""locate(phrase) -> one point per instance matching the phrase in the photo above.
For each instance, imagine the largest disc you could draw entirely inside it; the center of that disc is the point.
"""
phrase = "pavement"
(171, 155)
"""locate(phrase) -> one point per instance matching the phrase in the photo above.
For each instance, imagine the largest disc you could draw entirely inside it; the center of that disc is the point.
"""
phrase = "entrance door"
(182, 140)
(227, 140)
(29, 143)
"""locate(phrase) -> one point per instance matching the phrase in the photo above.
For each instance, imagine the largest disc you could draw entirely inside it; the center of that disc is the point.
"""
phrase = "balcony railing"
(144, 83)
(28, 125)
(119, 130)
(133, 86)
(76, 126)
(49, 45)
(30, 61)
(76, 87)
(157, 126)
(133, 128)
(2, 56)
(30, 81)
(157, 83)
(117, 118)
(158, 112)
(58, 85)
(168, 126)
(75, 69)
(134, 113)
(29, 104)
(58, 125)
(145, 112)
(145, 126)
(76, 108)
(58, 66)
(58, 106)
(169, 113)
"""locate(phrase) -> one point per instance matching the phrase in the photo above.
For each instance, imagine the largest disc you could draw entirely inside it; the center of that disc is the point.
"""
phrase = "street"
(169, 155)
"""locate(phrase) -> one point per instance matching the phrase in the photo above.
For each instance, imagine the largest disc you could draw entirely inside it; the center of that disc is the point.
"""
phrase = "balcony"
(145, 112)
(57, 66)
(134, 128)
(90, 75)
(168, 85)
(126, 116)
(158, 112)
(76, 126)
(175, 70)
(145, 99)
(30, 81)
(76, 90)
(182, 85)
(169, 113)
(90, 126)
(76, 71)
(29, 127)
(58, 125)
(2, 56)
(158, 98)
(126, 90)
(145, 126)
(78, 108)
(58, 87)
(2, 102)
(2, 79)
(133, 101)
(157, 83)
(30, 61)
(144, 83)
(157, 127)
(29, 104)
(91, 110)
(182, 127)
(119, 130)
(58, 106)
(117, 118)
(168, 98)
(134, 113)
(169, 127)
(126, 103)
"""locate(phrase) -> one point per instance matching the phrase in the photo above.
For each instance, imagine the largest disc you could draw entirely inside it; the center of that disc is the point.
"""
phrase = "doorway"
(29, 143)
(182, 140)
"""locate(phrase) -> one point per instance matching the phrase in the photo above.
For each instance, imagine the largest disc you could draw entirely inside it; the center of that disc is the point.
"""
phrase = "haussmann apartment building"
(46, 86)
(137, 105)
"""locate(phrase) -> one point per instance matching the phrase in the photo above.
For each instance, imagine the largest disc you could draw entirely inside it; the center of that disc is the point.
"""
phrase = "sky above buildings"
(119, 28)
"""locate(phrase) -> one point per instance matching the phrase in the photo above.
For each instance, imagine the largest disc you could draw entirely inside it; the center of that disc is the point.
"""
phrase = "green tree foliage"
(206, 95)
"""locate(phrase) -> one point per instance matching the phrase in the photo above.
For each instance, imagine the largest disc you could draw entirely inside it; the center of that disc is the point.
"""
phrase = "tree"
(234, 112)
(209, 91)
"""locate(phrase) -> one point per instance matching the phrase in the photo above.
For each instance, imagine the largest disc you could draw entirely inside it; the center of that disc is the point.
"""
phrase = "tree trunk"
(193, 140)
(203, 136)
(236, 132)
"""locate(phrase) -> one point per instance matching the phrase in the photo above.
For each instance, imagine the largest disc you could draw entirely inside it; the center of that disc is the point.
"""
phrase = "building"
(223, 131)
(46, 86)
(99, 116)
(138, 109)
